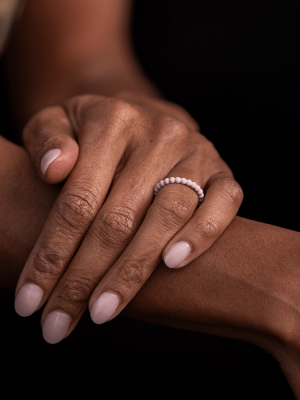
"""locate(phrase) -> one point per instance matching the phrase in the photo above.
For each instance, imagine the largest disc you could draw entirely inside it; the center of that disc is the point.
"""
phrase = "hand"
(253, 268)
(105, 235)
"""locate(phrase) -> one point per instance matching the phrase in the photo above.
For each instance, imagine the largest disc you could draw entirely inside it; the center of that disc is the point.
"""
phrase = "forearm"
(246, 286)
(247, 280)
(25, 201)
(61, 49)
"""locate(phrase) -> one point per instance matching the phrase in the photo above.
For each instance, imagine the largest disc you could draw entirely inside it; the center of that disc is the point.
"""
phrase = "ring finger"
(100, 256)
(171, 214)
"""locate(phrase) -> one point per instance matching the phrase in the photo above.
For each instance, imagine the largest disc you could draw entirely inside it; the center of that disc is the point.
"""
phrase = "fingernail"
(177, 253)
(48, 158)
(55, 327)
(28, 299)
(104, 307)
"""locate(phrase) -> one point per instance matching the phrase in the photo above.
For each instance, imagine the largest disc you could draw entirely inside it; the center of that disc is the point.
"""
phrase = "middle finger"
(112, 230)
(74, 210)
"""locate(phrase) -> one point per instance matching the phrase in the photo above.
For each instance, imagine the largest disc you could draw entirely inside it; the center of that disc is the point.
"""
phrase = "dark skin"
(244, 287)
(230, 267)
(115, 138)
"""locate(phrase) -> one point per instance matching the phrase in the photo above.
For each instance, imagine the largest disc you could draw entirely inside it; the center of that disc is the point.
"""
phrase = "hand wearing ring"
(183, 181)
(107, 231)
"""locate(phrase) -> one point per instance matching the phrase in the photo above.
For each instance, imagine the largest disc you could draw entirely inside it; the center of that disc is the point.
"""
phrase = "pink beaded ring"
(183, 181)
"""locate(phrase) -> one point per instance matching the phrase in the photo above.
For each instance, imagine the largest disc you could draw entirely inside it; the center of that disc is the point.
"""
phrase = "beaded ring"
(183, 181)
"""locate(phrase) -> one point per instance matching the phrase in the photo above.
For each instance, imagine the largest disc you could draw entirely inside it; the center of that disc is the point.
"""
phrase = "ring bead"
(184, 181)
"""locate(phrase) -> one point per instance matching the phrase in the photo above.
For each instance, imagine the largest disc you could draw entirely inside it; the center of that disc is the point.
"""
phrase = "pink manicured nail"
(28, 299)
(104, 307)
(177, 253)
(55, 327)
(48, 158)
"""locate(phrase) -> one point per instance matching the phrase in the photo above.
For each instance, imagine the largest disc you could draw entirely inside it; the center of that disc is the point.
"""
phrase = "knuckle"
(232, 191)
(76, 290)
(172, 128)
(38, 138)
(49, 263)
(208, 229)
(41, 121)
(175, 207)
(132, 273)
(115, 115)
(77, 210)
(45, 141)
(124, 110)
(207, 148)
(116, 226)
(120, 112)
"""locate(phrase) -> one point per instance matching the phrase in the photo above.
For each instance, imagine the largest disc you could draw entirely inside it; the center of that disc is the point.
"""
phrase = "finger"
(74, 210)
(51, 143)
(172, 208)
(112, 230)
(222, 200)
(116, 223)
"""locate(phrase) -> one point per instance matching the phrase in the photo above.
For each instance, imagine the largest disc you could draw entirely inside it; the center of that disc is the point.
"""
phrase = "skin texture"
(65, 53)
(114, 148)
(54, 70)
(244, 287)
(127, 143)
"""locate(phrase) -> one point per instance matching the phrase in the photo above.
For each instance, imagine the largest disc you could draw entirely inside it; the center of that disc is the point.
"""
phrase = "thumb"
(51, 143)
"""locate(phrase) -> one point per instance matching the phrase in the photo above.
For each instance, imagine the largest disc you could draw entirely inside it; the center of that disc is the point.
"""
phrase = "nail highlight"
(48, 158)
(177, 254)
(28, 299)
(55, 327)
(104, 307)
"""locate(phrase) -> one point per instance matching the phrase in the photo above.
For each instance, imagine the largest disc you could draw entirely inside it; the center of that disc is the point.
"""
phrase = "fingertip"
(56, 164)
(177, 254)
(48, 159)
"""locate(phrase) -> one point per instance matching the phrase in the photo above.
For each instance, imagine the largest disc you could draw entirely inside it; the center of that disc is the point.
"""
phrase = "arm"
(68, 48)
(245, 286)
(62, 49)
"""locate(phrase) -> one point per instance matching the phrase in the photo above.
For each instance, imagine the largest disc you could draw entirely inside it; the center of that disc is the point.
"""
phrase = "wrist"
(102, 77)
(111, 75)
